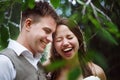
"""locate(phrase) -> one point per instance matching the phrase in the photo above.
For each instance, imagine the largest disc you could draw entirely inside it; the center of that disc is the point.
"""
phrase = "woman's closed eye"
(70, 37)
(58, 39)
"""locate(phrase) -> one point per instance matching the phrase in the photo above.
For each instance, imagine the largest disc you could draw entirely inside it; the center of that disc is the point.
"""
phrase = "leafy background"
(99, 19)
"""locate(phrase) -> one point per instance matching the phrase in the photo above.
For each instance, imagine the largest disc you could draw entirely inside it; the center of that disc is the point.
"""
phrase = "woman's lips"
(67, 52)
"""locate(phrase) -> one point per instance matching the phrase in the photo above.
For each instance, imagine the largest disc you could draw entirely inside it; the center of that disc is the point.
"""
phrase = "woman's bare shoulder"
(97, 71)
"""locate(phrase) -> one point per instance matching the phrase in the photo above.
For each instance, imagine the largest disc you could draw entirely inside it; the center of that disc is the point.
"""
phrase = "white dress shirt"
(7, 71)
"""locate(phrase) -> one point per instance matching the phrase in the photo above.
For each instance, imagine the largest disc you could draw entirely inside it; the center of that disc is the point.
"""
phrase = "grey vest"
(24, 70)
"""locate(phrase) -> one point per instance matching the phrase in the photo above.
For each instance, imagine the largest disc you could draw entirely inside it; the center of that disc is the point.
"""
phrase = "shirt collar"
(19, 49)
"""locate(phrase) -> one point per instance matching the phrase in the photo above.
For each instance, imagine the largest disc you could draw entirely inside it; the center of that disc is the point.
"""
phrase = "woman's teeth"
(67, 49)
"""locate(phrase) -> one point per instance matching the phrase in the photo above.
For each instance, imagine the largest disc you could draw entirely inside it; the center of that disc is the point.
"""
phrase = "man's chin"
(41, 50)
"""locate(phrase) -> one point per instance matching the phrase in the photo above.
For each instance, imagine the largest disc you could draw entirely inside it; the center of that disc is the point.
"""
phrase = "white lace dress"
(92, 78)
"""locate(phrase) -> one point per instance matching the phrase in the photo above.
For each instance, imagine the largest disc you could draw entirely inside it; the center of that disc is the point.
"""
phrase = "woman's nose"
(65, 42)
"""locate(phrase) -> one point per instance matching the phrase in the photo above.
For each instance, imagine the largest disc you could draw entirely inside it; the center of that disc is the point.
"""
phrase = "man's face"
(40, 34)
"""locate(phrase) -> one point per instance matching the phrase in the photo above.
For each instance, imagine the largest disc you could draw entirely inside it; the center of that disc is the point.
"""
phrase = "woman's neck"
(72, 63)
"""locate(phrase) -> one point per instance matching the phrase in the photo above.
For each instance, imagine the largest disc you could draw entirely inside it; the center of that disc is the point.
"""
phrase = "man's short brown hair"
(41, 9)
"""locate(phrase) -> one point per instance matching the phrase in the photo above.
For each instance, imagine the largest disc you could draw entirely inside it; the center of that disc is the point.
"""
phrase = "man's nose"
(49, 38)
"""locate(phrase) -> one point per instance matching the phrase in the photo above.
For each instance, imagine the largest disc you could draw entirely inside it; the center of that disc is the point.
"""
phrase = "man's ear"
(28, 23)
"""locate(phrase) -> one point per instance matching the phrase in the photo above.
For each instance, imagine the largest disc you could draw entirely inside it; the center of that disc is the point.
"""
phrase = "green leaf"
(107, 36)
(55, 3)
(4, 36)
(31, 4)
(76, 16)
(88, 34)
(74, 74)
(55, 65)
(28, 3)
(111, 27)
(1, 17)
(95, 22)
(102, 32)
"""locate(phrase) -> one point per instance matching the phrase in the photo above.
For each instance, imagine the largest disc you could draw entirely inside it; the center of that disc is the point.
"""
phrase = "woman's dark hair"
(75, 28)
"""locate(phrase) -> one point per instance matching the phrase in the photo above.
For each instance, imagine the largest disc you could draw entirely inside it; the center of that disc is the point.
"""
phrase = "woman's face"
(66, 43)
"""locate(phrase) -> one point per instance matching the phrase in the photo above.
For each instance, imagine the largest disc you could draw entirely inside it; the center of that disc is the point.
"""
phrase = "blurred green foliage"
(74, 74)
(99, 19)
